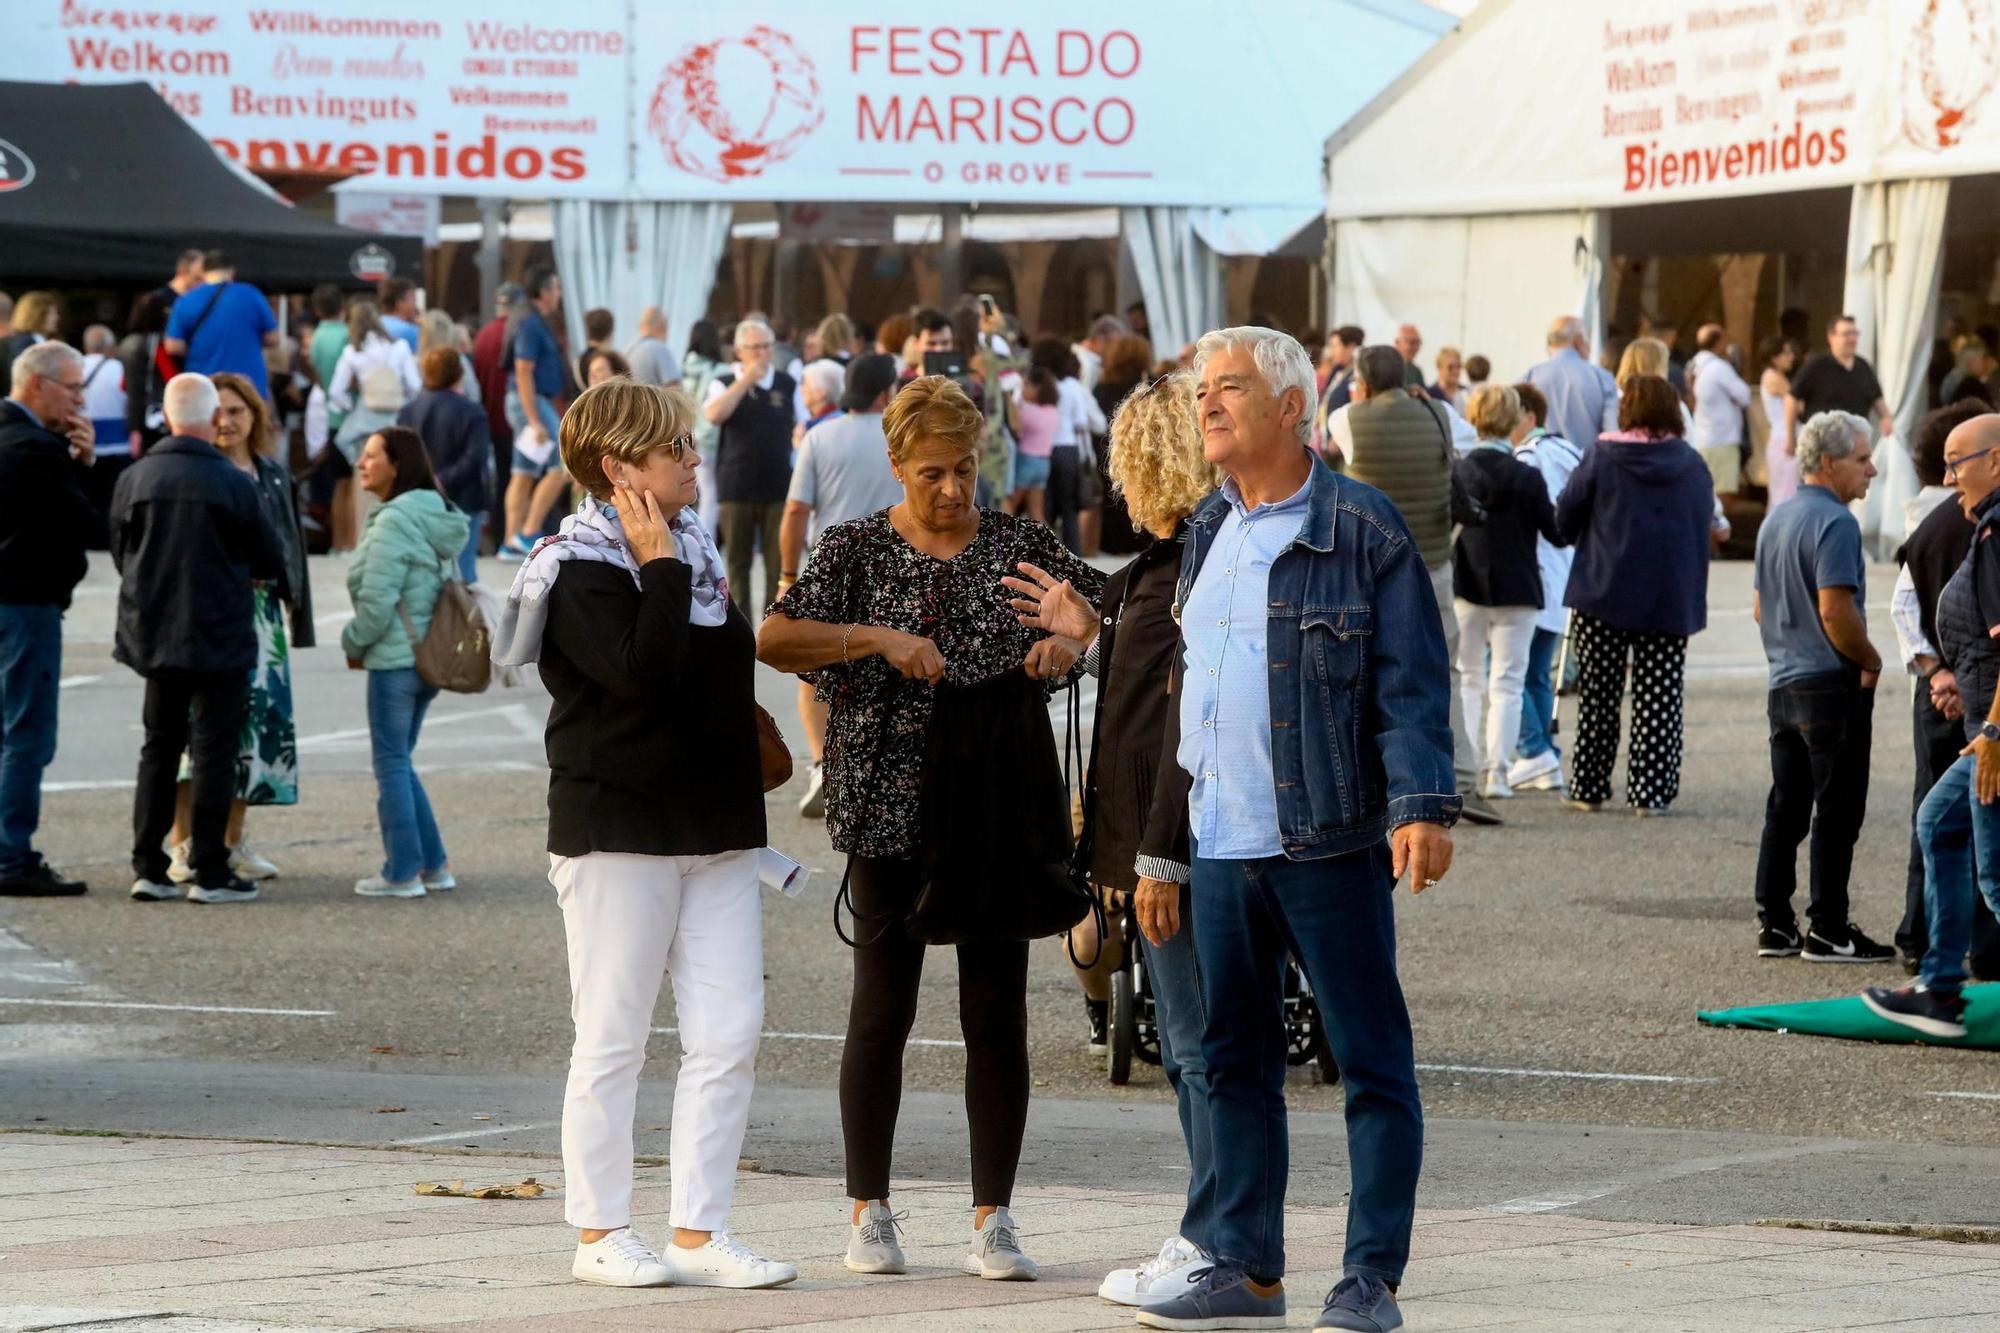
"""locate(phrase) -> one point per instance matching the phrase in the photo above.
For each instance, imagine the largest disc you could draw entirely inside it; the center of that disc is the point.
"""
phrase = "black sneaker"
(1848, 945)
(1933, 1013)
(232, 890)
(1778, 942)
(41, 882)
(1100, 1025)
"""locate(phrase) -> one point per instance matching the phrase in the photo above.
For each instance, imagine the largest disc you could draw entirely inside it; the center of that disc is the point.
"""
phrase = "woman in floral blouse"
(890, 606)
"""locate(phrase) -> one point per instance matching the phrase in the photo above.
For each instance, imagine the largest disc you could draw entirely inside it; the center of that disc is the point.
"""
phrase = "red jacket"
(489, 367)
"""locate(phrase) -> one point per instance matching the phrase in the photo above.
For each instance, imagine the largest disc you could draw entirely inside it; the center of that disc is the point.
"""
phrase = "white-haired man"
(1583, 396)
(47, 522)
(751, 407)
(1810, 584)
(1314, 727)
(189, 538)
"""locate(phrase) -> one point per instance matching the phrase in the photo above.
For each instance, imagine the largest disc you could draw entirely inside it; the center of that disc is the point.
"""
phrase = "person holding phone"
(750, 407)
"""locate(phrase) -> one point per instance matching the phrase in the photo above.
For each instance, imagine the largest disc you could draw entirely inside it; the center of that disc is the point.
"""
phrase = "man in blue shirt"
(398, 299)
(1811, 585)
(223, 325)
(1315, 726)
(534, 382)
(1583, 396)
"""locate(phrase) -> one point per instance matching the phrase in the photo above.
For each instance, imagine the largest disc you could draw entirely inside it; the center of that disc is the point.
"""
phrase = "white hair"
(1828, 438)
(190, 400)
(752, 322)
(44, 359)
(1280, 359)
(1565, 331)
(827, 378)
(98, 338)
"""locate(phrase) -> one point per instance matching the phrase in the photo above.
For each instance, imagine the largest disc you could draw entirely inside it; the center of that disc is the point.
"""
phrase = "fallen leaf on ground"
(527, 1189)
(381, 1050)
(390, 1110)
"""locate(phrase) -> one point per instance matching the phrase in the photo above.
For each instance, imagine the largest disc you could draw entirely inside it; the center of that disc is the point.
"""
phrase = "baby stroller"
(1134, 1032)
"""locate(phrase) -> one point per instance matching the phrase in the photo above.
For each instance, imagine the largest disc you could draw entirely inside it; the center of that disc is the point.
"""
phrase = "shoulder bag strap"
(206, 311)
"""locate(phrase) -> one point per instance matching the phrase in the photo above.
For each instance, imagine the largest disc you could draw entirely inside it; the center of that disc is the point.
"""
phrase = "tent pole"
(490, 211)
(951, 255)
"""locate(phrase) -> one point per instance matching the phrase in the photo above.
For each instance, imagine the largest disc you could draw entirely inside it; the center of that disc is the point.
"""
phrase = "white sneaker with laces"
(1543, 772)
(872, 1246)
(152, 891)
(996, 1251)
(441, 881)
(1141, 1286)
(725, 1262)
(179, 869)
(1495, 787)
(813, 804)
(621, 1259)
(247, 863)
(374, 886)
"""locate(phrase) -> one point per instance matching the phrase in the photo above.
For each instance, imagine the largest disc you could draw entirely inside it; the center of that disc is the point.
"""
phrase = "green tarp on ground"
(1851, 1020)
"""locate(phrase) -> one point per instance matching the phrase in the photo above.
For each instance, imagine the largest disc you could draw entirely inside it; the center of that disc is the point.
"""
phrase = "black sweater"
(652, 736)
(1495, 564)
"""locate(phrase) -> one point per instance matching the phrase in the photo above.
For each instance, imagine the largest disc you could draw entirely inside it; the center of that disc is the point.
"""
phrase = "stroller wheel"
(1124, 1027)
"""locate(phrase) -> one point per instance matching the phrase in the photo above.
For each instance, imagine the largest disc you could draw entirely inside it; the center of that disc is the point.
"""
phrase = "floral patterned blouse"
(863, 572)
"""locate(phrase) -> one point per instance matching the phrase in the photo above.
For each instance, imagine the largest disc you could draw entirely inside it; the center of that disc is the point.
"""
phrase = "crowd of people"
(1352, 599)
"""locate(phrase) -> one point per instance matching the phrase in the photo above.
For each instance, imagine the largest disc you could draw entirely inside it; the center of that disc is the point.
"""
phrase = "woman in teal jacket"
(400, 566)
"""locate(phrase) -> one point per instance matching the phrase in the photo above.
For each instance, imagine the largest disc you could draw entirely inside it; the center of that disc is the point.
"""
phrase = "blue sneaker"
(1218, 1297)
(1360, 1303)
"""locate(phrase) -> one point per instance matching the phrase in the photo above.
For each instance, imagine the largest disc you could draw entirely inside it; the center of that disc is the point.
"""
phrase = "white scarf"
(594, 533)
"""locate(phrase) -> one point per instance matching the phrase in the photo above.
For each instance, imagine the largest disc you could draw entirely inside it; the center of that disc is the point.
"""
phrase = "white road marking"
(828, 1036)
(456, 1135)
(1562, 1073)
(71, 682)
(334, 618)
(1548, 1205)
(1970, 1096)
(175, 1008)
(434, 720)
(492, 766)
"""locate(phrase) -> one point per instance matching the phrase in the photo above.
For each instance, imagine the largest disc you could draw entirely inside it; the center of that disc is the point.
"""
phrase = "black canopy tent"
(103, 184)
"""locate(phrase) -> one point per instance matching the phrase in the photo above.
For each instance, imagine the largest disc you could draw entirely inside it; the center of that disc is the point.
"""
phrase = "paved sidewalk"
(190, 1236)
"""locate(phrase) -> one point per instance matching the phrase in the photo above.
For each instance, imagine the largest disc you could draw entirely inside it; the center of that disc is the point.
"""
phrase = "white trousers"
(630, 920)
(1492, 690)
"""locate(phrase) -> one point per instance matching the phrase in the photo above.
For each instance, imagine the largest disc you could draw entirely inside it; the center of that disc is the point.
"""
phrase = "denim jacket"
(1360, 705)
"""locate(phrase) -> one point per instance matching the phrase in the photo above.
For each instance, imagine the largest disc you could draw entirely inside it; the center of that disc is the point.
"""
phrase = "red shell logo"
(17, 169)
(729, 108)
(1949, 69)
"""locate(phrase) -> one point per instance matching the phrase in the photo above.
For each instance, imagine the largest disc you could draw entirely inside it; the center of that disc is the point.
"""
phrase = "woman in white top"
(374, 368)
(1720, 395)
(1071, 452)
(1780, 357)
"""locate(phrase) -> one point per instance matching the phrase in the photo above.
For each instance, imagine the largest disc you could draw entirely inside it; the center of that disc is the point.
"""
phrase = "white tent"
(1481, 194)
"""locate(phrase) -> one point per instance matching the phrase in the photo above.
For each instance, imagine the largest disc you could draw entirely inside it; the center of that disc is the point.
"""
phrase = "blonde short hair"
(1643, 356)
(931, 407)
(1156, 459)
(622, 419)
(1494, 410)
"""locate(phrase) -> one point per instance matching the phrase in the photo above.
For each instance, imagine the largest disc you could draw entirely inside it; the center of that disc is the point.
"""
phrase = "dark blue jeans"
(1337, 917)
(1180, 1013)
(30, 669)
(1538, 697)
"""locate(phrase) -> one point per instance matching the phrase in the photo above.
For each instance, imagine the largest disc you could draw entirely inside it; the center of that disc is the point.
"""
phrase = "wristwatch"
(1989, 731)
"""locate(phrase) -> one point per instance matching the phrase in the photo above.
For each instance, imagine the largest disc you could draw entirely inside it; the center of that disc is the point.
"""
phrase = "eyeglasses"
(1154, 385)
(69, 386)
(680, 444)
(1952, 465)
(753, 347)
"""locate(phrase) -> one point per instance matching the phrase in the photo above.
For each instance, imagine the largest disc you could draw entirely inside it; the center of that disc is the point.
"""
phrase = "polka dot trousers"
(1658, 665)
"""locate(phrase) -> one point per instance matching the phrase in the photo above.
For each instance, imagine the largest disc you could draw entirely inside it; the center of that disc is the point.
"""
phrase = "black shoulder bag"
(1467, 510)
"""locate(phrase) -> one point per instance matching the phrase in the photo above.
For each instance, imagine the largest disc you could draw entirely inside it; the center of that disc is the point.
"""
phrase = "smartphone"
(988, 306)
(945, 363)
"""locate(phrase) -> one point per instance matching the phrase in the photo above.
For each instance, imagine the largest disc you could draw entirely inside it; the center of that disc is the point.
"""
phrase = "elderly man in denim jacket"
(1314, 710)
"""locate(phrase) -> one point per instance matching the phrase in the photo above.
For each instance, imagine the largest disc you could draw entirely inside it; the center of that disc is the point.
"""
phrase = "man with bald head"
(652, 361)
(1409, 342)
(1583, 397)
(1959, 823)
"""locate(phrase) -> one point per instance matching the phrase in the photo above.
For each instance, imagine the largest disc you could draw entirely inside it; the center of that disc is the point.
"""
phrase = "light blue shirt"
(1583, 397)
(1226, 686)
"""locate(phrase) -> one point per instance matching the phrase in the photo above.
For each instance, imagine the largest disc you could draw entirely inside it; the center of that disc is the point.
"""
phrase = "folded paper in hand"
(781, 872)
(534, 445)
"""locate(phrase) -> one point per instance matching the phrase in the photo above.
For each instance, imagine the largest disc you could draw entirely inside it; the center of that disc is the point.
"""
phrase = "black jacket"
(189, 535)
(1134, 781)
(1934, 552)
(281, 508)
(1494, 564)
(47, 520)
(652, 736)
(459, 442)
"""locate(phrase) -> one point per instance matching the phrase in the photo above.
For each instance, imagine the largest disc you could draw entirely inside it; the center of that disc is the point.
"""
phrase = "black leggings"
(992, 1013)
(1065, 495)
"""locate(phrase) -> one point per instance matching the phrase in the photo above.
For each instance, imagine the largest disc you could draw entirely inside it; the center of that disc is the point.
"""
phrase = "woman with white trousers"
(656, 818)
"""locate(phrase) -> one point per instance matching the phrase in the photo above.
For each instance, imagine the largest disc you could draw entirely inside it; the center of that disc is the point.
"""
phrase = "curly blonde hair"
(1156, 460)
(622, 419)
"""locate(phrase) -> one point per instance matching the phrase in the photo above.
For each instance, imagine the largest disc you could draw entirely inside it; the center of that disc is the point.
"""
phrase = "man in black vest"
(47, 522)
(751, 408)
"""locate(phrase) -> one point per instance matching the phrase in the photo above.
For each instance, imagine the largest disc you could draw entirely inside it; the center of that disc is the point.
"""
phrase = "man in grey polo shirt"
(1811, 589)
(842, 472)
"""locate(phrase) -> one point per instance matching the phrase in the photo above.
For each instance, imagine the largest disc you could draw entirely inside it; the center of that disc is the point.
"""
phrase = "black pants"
(1821, 730)
(1066, 494)
(992, 1013)
(203, 715)
(1659, 669)
(1938, 741)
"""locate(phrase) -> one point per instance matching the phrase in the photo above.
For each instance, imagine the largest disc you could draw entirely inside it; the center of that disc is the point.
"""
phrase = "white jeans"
(1492, 692)
(630, 919)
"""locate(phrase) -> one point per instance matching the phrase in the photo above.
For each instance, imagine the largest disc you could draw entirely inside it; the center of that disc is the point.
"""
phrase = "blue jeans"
(30, 669)
(468, 555)
(1538, 697)
(1180, 1014)
(1337, 917)
(1961, 841)
(397, 701)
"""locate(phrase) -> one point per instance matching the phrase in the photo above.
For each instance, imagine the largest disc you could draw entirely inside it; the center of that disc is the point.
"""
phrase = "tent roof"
(106, 183)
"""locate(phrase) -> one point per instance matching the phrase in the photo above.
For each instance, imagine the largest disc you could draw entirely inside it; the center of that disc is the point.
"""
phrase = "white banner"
(389, 214)
(772, 100)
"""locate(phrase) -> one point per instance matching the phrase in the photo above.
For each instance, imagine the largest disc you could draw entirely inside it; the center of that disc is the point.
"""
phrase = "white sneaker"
(813, 804)
(1543, 772)
(152, 891)
(1142, 1286)
(725, 1262)
(376, 887)
(439, 882)
(179, 869)
(996, 1251)
(249, 865)
(872, 1246)
(1495, 787)
(235, 891)
(620, 1259)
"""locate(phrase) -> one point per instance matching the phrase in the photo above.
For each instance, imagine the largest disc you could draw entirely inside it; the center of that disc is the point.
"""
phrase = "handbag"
(1467, 510)
(772, 752)
(456, 652)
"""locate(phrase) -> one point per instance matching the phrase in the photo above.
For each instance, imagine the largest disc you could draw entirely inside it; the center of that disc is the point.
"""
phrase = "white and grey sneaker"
(152, 891)
(235, 890)
(725, 1262)
(439, 881)
(1495, 786)
(996, 1251)
(872, 1246)
(813, 804)
(1162, 1279)
(621, 1259)
(179, 869)
(1541, 773)
(249, 864)
(374, 886)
